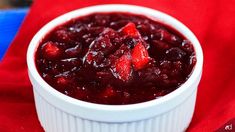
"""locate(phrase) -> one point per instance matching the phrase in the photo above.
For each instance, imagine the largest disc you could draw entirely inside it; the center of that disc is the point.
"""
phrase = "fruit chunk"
(50, 50)
(130, 29)
(140, 56)
(122, 68)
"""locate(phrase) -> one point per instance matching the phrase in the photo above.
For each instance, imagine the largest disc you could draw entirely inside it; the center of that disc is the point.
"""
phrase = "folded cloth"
(212, 21)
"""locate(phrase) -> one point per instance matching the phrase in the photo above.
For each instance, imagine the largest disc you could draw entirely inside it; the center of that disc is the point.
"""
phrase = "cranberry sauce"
(115, 58)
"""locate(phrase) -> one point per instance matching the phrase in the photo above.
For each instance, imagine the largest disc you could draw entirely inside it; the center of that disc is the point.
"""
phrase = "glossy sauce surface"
(115, 58)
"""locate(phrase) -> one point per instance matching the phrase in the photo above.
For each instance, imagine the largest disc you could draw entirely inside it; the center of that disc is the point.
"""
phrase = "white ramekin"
(60, 113)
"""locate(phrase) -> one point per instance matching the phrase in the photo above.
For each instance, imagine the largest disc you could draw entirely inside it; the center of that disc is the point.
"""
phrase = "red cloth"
(212, 21)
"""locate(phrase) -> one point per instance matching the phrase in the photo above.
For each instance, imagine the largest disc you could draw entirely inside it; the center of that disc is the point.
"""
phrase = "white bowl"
(60, 113)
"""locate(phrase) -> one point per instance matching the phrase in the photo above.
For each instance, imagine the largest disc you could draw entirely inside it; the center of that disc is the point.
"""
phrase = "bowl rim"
(152, 14)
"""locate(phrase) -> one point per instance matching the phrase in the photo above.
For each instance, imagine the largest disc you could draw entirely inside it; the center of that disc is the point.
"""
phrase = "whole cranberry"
(51, 50)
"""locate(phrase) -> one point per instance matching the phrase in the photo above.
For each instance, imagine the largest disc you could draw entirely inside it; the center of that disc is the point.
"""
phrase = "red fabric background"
(212, 21)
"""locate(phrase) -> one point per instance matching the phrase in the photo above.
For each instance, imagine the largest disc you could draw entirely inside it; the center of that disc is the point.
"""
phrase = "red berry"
(61, 81)
(187, 46)
(108, 92)
(165, 35)
(74, 51)
(62, 35)
(140, 56)
(50, 50)
(89, 58)
(160, 45)
(130, 29)
(169, 37)
(175, 53)
(70, 63)
(81, 93)
(122, 68)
